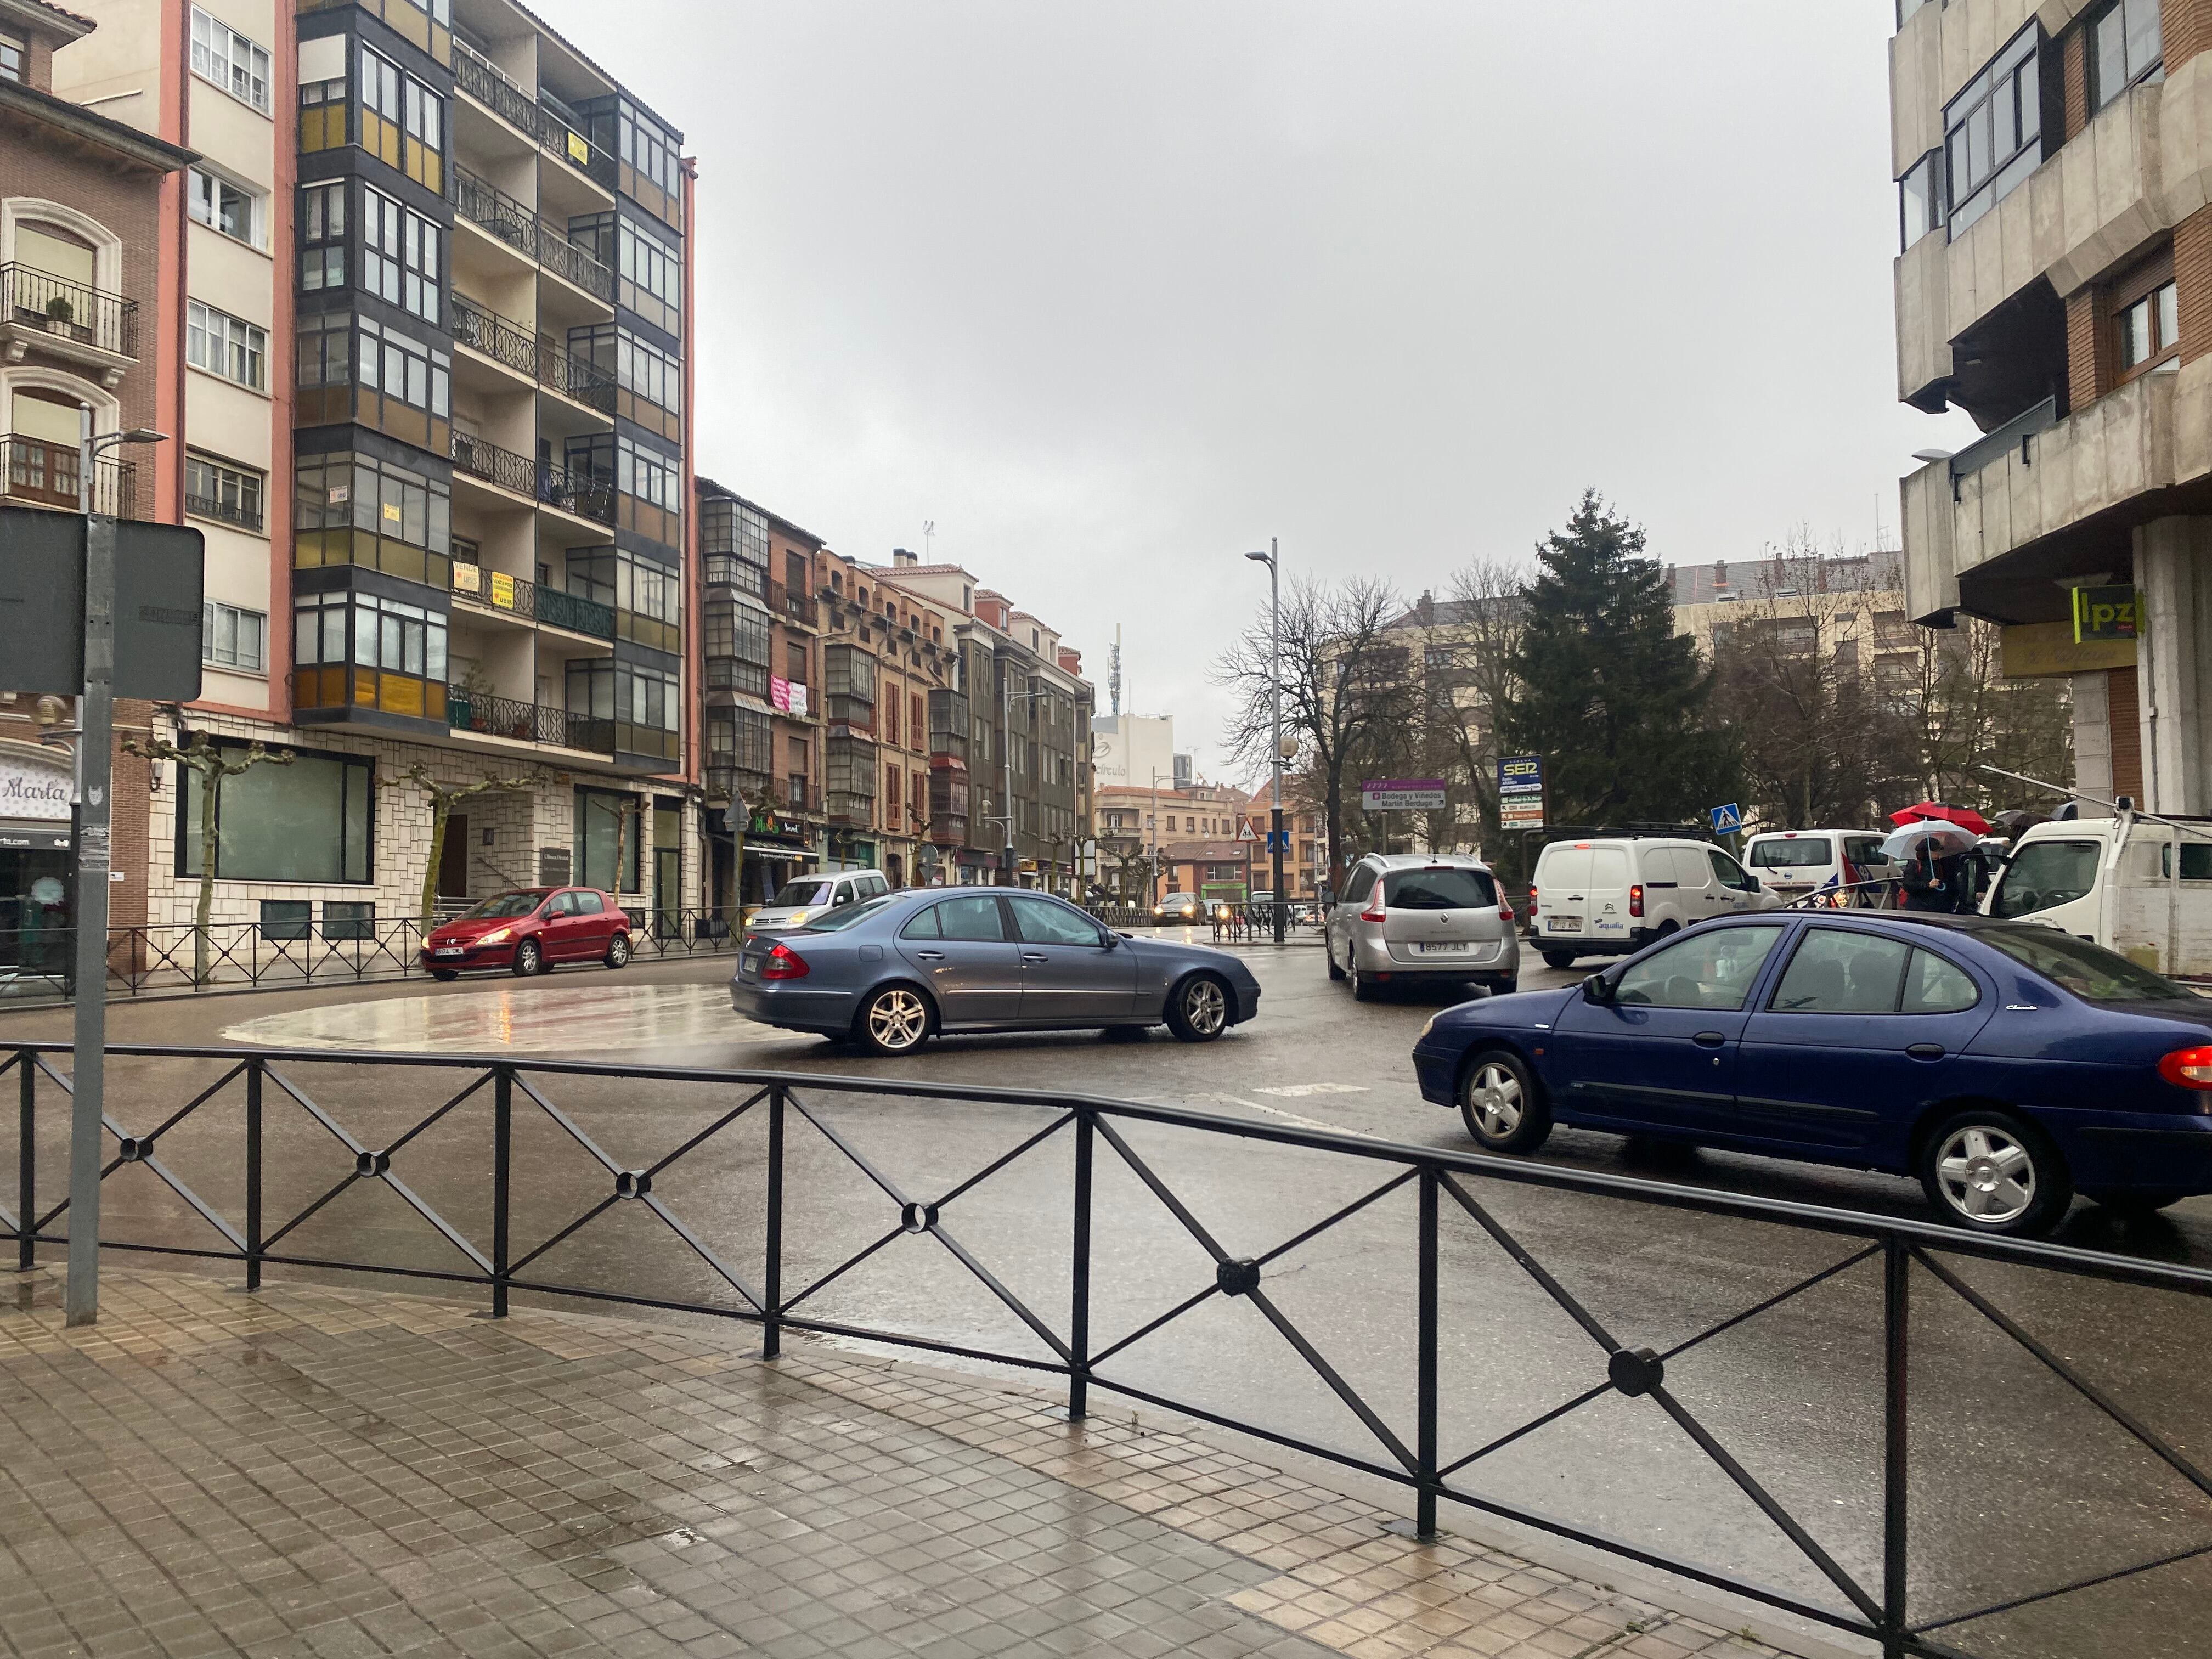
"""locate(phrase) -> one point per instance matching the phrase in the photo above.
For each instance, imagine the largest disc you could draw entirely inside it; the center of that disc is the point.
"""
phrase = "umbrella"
(2012, 823)
(1945, 836)
(1935, 811)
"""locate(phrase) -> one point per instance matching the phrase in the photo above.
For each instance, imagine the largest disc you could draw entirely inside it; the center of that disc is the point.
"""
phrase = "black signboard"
(159, 570)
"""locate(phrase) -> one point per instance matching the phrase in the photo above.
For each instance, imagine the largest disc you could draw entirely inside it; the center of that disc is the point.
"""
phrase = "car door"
(1563, 889)
(596, 920)
(558, 936)
(963, 950)
(1858, 1037)
(1346, 913)
(1073, 971)
(1661, 1052)
(1733, 887)
(1606, 905)
(2054, 881)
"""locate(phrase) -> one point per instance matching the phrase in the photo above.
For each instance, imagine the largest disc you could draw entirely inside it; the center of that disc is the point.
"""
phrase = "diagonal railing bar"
(337, 1130)
(699, 1247)
(574, 1132)
(1146, 1330)
(1533, 1267)
(1175, 1206)
(197, 1101)
(1021, 1311)
(206, 1214)
(51, 1075)
(996, 1164)
(345, 1181)
(446, 1230)
(1526, 1429)
(393, 1149)
(1768, 1506)
(710, 1131)
(2091, 1583)
(2081, 1385)
(843, 1268)
(859, 1160)
(597, 1209)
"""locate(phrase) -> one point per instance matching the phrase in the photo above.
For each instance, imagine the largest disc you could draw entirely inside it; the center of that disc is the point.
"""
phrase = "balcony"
(491, 716)
(493, 210)
(547, 482)
(479, 78)
(735, 783)
(540, 358)
(789, 603)
(40, 312)
(39, 474)
(243, 514)
(849, 809)
(528, 601)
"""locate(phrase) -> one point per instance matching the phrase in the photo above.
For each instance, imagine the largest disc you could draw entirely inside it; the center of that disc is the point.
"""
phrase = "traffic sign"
(1278, 839)
(1403, 794)
(1246, 833)
(1727, 820)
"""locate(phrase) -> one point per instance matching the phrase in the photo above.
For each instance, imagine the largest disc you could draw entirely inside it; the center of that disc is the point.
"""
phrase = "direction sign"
(1727, 820)
(1403, 794)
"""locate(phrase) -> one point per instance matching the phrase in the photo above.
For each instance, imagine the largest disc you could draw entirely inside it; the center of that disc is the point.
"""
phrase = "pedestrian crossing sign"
(1727, 820)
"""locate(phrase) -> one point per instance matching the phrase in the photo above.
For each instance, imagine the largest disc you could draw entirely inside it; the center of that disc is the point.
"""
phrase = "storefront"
(35, 872)
(777, 848)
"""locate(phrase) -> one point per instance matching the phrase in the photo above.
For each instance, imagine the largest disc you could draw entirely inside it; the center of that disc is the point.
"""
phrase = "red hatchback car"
(530, 930)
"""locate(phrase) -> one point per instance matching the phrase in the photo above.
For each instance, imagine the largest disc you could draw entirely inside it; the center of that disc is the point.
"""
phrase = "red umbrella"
(1965, 817)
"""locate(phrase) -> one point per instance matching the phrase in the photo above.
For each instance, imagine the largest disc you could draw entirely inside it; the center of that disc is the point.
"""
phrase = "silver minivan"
(805, 896)
(1421, 916)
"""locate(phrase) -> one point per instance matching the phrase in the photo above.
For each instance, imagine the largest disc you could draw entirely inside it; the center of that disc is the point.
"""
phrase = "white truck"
(2117, 882)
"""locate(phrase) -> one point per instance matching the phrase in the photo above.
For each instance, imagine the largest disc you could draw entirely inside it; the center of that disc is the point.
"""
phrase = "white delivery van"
(2116, 882)
(1609, 897)
(1791, 863)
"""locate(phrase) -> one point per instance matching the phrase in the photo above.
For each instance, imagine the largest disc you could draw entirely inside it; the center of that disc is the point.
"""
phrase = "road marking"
(1298, 1090)
(582, 1018)
(1288, 1117)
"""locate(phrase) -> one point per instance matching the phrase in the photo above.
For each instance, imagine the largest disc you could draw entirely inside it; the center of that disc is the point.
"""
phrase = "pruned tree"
(212, 764)
(443, 797)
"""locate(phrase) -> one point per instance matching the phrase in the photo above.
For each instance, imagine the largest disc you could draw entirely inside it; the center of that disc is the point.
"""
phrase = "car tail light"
(1532, 905)
(1636, 900)
(1504, 911)
(784, 962)
(1374, 912)
(2188, 1068)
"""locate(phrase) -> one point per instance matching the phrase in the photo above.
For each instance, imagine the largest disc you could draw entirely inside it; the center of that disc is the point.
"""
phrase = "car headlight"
(497, 936)
(796, 917)
(1427, 1026)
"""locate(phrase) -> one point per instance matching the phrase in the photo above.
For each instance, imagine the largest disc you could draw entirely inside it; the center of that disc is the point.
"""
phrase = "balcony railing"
(576, 613)
(735, 782)
(236, 513)
(2018, 433)
(70, 312)
(548, 482)
(787, 602)
(34, 471)
(483, 80)
(525, 722)
(485, 204)
(518, 597)
(546, 360)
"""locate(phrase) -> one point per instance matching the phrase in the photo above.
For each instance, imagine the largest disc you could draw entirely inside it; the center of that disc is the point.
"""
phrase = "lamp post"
(1275, 687)
(1157, 776)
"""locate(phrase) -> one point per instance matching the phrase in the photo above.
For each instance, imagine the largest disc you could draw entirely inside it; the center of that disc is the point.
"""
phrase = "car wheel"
(1558, 958)
(443, 974)
(1501, 1104)
(2146, 1202)
(1197, 1009)
(893, 1021)
(1987, 1171)
(618, 951)
(1363, 989)
(1328, 950)
(528, 959)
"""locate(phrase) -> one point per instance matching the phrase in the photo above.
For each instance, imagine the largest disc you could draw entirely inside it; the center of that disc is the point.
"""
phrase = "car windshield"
(2089, 971)
(810, 889)
(1446, 888)
(1787, 855)
(505, 908)
(845, 915)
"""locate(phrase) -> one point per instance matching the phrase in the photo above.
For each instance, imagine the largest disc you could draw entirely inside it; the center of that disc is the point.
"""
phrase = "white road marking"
(542, 1019)
(1288, 1117)
(1298, 1090)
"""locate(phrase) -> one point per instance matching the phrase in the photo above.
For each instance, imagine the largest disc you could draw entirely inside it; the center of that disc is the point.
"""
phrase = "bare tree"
(443, 797)
(212, 763)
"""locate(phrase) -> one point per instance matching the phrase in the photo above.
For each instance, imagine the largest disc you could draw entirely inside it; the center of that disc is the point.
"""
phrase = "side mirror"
(1597, 989)
(1110, 941)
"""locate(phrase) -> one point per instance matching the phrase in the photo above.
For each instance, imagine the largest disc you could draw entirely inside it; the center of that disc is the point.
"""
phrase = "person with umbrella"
(1933, 845)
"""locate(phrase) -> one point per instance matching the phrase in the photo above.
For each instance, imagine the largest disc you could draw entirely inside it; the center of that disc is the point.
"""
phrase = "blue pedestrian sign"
(1278, 840)
(1727, 820)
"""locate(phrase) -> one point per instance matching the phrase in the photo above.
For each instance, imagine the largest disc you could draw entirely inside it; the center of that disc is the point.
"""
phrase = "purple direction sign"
(1401, 794)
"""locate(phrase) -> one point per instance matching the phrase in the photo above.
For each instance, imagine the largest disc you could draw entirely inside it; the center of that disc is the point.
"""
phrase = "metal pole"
(253, 1175)
(1078, 1318)
(95, 725)
(503, 1159)
(1006, 764)
(772, 1314)
(1425, 1511)
(26, 1162)
(1276, 676)
(1897, 1302)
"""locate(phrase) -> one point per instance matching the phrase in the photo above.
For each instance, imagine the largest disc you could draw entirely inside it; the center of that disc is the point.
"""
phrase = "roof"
(1711, 583)
(50, 16)
(155, 153)
(1448, 613)
(701, 481)
(673, 130)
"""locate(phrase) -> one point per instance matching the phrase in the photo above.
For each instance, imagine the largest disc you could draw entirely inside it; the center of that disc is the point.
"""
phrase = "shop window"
(605, 817)
(285, 921)
(312, 820)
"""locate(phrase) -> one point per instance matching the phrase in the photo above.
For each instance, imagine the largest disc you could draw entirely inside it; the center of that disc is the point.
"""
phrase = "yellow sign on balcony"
(467, 578)
(580, 151)
(502, 590)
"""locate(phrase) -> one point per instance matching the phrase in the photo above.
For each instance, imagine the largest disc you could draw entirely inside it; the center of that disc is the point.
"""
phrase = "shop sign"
(34, 785)
(2105, 613)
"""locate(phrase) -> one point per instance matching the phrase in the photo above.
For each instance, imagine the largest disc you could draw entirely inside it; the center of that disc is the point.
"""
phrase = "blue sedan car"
(891, 972)
(2007, 1065)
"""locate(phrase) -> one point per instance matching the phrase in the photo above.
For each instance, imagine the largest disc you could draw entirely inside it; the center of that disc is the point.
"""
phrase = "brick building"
(87, 304)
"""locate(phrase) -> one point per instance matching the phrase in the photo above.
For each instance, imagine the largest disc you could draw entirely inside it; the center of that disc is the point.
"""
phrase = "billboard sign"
(1401, 794)
(1521, 792)
(2107, 614)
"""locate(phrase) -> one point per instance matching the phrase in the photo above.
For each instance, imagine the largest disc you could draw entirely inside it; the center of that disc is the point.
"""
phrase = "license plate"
(1453, 948)
(446, 951)
(1562, 924)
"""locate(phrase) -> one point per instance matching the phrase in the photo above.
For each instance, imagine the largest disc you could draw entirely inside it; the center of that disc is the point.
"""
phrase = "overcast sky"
(1114, 291)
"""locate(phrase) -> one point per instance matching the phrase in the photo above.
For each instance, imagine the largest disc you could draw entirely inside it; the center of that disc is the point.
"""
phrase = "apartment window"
(357, 650)
(233, 638)
(322, 236)
(743, 738)
(403, 121)
(648, 474)
(652, 276)
(739, 648)
(649, 148)
(11, 58)
(215, 489)
(230, 208)
(2125, 46)
(849, 678)
(351, 509)
(1920, 198)
(400, 257)
(401, 368)
(222, 344)
(2146, 315)
(228, 58)
(1993, 131)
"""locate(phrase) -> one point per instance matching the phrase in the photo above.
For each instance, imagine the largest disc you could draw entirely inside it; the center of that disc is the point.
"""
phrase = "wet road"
(2021, 1485)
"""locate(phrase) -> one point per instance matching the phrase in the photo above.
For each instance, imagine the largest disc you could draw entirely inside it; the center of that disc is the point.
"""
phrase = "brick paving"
(313, 1471)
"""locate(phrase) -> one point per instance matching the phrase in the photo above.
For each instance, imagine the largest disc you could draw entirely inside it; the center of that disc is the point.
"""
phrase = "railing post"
(27, 1165)
(772, 1274)
(502, 1142)
(1425, 1450)
(1896, 1349)
(253, 1175)
(1079, 1315)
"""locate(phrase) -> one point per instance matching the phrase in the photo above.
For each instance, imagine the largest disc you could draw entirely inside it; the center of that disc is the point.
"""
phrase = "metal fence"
(755, 1204)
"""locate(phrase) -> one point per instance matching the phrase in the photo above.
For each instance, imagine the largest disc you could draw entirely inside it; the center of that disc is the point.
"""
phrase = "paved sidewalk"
(309, 1471)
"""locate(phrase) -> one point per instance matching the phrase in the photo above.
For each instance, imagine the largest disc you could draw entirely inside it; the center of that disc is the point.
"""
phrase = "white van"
(2112, 881)
(1608, 898)
(802, 897)
(1791, 863)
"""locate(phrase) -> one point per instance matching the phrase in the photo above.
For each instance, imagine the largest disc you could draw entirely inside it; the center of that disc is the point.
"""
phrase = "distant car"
(530, 930)
(804, 897)
(1792, 863)
(891, 972)
(1612, 897)
(2007, 1065)
(1180, 906)
(1421, 916)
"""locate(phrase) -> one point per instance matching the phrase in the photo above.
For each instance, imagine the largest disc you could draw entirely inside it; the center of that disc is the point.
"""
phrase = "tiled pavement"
(308, 1471)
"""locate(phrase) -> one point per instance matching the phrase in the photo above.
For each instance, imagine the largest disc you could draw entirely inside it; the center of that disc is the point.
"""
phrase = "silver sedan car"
(889, 973)
(1422, 917)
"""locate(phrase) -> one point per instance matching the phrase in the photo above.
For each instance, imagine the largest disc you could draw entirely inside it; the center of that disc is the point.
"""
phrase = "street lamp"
(1275, 687)
(1007, 698)
(1155, 873)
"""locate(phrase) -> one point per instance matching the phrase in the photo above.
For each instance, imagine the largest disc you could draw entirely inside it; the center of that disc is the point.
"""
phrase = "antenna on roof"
(1114, 672)
(928, 535)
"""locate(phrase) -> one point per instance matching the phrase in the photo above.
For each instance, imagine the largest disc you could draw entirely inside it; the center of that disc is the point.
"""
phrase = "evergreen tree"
(1605, 689)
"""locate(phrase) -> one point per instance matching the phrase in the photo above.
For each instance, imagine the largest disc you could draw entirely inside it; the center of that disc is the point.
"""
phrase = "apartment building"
(1850, 605)
(87, 320)
(2054, 169)
(1152, 842)
(432, 397)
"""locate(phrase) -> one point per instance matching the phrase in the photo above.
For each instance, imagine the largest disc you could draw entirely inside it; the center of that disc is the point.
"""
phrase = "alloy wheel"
(897, 1020)
(1205, 1008)
(1493, 1095)
(618, 951)
(1986, 1175)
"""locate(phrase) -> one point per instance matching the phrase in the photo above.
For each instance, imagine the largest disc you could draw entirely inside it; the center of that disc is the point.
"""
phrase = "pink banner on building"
(779, 693)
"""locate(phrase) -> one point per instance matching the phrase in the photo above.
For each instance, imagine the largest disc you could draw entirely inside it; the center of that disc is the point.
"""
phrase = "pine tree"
(1605, 689)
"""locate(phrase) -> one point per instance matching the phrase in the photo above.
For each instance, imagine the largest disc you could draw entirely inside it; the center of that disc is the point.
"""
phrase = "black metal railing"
(68, 311)
(482, 80)
(233, 513)
(521, 722)
(772, 1187)
(543, 358)
(46, 475)
(576, 613)
(583, 494)
(494, 589)
(482, 202)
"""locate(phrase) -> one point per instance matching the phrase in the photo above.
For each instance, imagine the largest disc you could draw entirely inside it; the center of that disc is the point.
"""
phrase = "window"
(652, 276)
(357, 649)
(1712, 970)
(1048, 922)
(222, 344)
(400, 262)
(285, 919)
(232, 210)
(1993, 131)
(737, 648)
(1920, 198)
(348, 919)
(322, 236)
(603, 819)
(850, 680)
(311, 820)
(11, 58)
(2045, 874)
(231, 61)
(403, 121)
(2124, 47)
(2148, 331)
(1933, 986)
(402, 386)
(973, 919)
(1836, 972)
(232, 638)
(351, 509)
(1457, 888)
(649, 150)
(1729, 873)
(215, 489)
(2196, 861)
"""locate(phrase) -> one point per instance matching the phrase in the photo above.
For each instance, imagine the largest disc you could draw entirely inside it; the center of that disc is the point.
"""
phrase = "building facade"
(2054, 169)
(431, 393)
